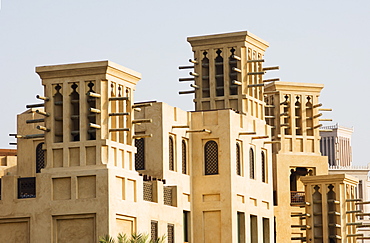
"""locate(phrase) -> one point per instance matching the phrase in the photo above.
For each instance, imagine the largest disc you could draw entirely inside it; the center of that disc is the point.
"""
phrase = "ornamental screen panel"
(27, 187)
(183, 149)
(263, 166)
(148, 191)
(40, 158)
(211, 158)
(171, 154)
(167, 195)
(154, 230)
(170, 233)
(140, 154)
(238, 160)
(251, 163)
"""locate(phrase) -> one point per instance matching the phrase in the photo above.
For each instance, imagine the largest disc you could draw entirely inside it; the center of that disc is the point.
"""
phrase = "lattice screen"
(27, 187)
(171, 154)
(40, 158)
(251, 163)
(167, 195)
(263, 165)
(170, 233)
(148, 191)
(183, 150)
(238, 160)
(154, 230)
(211, 158)
(140, 154)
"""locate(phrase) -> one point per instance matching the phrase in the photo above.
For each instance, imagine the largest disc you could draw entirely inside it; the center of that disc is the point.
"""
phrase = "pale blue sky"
(312, 41)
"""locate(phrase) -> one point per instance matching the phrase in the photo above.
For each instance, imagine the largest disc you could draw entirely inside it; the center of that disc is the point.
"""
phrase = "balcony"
(297, 197)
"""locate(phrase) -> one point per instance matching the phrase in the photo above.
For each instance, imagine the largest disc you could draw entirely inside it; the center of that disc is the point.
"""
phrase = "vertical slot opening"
(205, 76)
(219, 69)
(233, 63)
(91, 117)
(75, 113)
(58, 114)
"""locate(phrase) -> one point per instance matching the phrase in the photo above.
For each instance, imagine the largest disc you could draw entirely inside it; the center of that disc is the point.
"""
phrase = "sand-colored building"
(244, 167)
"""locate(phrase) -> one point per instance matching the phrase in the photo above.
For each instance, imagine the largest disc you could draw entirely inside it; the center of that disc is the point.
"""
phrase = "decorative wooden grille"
(251, 163)
(148, 191)
(140, 154)
(263, 166)
(183, 149)
(238, 159)
(211, 158)
(167, 195)
(27, 187)
(171, 233)
(154, 230)
(40, 158)
(171, 154)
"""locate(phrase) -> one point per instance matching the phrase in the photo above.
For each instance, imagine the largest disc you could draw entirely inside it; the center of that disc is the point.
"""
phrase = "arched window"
(264, 167)
(40, 158)
(140, 154)
(171, 154)
(238, 160)
(211, 158)
(251, 164)
(184, 157)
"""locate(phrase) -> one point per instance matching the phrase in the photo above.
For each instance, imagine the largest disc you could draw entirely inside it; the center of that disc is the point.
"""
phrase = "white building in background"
(336, 144)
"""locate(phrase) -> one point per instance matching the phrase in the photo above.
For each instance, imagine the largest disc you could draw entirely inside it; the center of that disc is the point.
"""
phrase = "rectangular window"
(167, 195)
(148, 191)
(266, 230)
(140, 154)
(27, 187)
(254, 229)
(154, 230)
(241, 227)
(170, 233)
(171, 153)
(186, 226)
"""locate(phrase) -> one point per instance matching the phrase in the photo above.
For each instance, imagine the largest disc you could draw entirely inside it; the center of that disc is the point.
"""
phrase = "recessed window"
(263, 167)
(251, 164)
(238, 160)
(40, 158)
(154, 230)
(140, 154)
(170, 233)
(171, 154)
(211, 158)
(184, 157)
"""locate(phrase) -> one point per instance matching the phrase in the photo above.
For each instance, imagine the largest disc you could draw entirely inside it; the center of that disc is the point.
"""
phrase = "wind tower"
(88, 130)
(88, 112)
(228, 72)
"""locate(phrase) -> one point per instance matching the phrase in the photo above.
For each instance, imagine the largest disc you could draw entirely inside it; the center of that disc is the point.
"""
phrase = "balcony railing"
(297, 197)
(27, 187)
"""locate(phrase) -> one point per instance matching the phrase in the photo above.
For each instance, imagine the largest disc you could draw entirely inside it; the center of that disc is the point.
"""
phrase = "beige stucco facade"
(92, 162)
